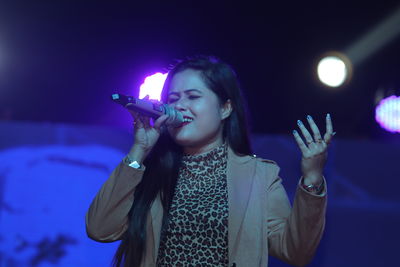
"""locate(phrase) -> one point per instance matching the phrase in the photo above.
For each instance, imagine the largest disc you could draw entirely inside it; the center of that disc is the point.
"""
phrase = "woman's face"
(201, 110)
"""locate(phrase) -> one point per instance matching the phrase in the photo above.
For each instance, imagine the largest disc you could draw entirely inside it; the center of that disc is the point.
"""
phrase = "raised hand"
(314, 150)
(146, 134)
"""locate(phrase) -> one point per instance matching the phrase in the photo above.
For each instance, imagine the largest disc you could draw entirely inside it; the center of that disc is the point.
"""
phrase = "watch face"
(131, 163)
(134, 164)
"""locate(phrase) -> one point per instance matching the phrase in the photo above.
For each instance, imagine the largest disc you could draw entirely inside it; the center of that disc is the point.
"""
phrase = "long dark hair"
(162, 165)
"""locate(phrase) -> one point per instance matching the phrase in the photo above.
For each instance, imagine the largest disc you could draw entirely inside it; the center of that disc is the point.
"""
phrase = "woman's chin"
(182, 141)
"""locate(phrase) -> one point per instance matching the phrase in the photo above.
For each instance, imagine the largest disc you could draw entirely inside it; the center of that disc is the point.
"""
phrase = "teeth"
(187, 120)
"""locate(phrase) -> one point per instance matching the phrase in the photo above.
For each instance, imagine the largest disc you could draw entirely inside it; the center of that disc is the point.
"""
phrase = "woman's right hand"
(146, 134)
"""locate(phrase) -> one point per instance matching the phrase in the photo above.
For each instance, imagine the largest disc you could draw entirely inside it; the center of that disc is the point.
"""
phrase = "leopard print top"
(197, 231)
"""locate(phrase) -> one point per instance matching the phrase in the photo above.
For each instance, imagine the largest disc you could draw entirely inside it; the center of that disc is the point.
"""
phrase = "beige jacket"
(260, 223)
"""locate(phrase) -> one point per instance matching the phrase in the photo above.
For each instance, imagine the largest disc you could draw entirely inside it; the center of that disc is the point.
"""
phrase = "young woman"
(194, 196)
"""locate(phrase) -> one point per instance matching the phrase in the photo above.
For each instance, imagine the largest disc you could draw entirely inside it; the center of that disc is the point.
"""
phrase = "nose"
(180, 104)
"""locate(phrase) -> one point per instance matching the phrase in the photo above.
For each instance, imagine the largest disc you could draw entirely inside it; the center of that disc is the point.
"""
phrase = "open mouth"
(186, 121)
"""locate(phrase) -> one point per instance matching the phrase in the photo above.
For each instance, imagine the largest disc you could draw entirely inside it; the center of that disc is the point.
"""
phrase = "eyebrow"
(186, 91)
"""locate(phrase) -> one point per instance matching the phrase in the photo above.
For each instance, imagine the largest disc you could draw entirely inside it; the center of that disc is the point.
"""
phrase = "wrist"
(313, 179)
(137, 153)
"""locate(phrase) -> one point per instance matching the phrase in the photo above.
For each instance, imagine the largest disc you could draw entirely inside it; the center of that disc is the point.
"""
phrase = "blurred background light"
(387, 113)
(152, 86)
(375, 39)
(334, 69)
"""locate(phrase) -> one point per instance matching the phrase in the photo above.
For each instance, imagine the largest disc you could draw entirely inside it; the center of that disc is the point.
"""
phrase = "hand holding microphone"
(146, 135)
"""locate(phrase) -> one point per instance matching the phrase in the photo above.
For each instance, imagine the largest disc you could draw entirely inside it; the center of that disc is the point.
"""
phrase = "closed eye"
(172, 100)
(175, 99)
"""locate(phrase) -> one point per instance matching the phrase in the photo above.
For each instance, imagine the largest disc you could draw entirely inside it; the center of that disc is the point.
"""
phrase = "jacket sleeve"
(294, 233)
(107, 217)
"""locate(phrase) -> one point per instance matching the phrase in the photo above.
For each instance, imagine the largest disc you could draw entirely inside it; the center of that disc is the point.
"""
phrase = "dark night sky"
(61, 60)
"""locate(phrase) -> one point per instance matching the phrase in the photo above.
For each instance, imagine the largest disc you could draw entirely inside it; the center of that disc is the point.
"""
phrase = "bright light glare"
(387, 113)
(152, 86)
(332, 71)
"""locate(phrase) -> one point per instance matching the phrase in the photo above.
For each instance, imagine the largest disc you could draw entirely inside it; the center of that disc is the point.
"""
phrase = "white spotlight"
(334, 69)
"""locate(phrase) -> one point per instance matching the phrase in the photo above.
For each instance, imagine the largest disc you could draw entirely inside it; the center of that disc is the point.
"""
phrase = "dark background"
(61, 60)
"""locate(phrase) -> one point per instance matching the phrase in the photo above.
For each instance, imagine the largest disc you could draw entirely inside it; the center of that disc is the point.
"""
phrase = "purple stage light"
(387, 113)
(152, 86)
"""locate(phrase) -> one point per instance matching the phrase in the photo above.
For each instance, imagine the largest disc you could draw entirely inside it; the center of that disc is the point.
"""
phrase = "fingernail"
(333, 133)
(328, 116)
(294, 132)
(309, 117)
(299, 122)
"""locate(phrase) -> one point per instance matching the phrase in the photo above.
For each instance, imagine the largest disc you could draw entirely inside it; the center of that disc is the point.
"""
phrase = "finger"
(314, 128)
(137, 123)
(305, 132)
(145, 120)
(136, 118)
(329, 129)
(160, 121)
(300, 143)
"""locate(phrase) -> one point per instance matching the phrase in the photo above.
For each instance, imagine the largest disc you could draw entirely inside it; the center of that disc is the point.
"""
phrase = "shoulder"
(265, 162)
(253, 161)
(266, 168)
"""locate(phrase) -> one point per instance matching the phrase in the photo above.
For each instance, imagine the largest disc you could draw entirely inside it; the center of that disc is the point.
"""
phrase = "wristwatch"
(131, 163)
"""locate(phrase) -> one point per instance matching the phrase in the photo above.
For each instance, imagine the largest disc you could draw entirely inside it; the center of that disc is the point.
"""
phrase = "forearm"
(294, 236)
(307, 222)
(107, 217)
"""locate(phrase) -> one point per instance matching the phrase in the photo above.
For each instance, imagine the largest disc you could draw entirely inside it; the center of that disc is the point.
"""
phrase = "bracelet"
(316, 189)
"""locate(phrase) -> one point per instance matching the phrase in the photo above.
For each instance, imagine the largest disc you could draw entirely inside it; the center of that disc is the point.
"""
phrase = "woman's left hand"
(314, 150)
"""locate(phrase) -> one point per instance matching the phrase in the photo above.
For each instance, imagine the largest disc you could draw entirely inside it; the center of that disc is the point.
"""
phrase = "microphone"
(150, 109)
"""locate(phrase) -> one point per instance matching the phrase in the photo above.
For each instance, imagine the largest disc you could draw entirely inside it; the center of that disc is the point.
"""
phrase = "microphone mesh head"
(175, 117)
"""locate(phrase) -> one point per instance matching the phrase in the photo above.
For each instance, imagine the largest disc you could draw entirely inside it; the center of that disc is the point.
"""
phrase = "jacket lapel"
(240, 176)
